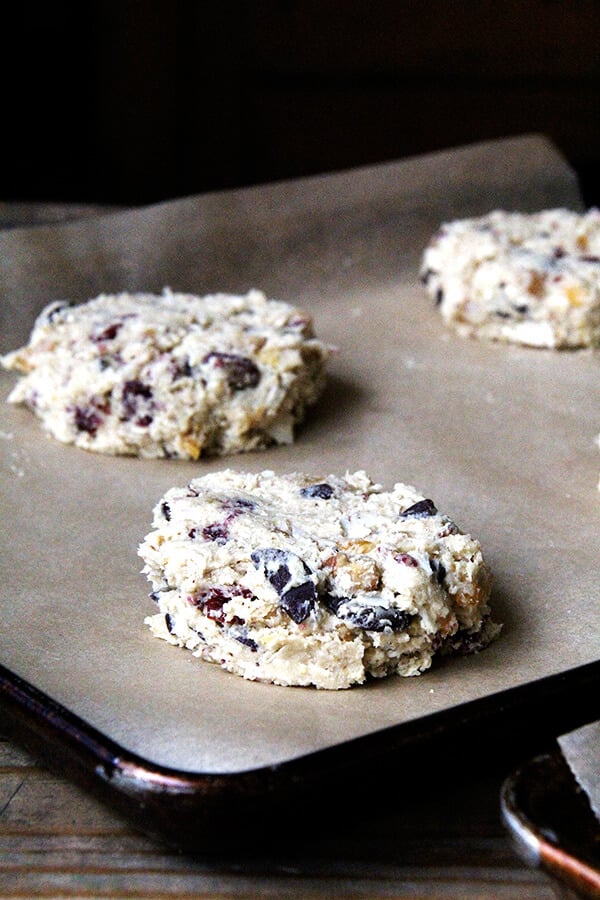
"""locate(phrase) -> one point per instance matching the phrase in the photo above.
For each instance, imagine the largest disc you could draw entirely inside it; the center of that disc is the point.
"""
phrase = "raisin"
(439, 297)
(323, 491)
(240, 372)
(169, 622)
(589, 258)
(87, 420)
(420, 510)
(166, 510)
(368, 618)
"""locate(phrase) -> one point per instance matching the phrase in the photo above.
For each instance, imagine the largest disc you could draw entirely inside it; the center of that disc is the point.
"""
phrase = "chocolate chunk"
(274, 565)
(238, 504)
(439, 570)
(180, 369)
(420, 510)
(240, 633)
(368, 617)
(463, 642)
(323, 491)
(53, 312)
(298, 600)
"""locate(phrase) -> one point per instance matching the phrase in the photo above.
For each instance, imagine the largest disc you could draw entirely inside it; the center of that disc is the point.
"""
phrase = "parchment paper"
(502, 438)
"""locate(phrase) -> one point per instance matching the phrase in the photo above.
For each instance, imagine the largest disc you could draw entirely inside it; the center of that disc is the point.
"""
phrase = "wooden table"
(445, 841)
(438, 834)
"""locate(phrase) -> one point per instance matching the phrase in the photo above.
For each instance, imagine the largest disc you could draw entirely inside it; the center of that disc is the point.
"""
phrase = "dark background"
(136, 102)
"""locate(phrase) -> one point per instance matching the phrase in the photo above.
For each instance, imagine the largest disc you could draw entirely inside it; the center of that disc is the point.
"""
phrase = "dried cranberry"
(218, 532)
(420, 510)
(212, 600)
(240, 372)
(137, 400)
(109, 333)
(87, 420)
(323, 491)
(406, 559)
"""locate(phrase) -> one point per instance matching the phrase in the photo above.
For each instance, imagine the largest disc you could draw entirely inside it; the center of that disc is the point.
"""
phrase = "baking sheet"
(503, 439)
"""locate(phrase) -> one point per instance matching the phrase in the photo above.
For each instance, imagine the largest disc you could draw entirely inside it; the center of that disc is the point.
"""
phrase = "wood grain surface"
(56, 842)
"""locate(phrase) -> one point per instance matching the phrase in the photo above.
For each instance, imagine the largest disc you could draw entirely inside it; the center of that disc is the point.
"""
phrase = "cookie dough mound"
(173, 375)
(530, 279)
(302, 581)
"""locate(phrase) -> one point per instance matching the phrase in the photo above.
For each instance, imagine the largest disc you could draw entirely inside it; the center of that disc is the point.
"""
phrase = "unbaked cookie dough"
(171, 375)
(530, 279)
(304, 581)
